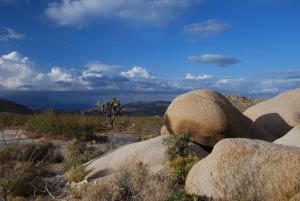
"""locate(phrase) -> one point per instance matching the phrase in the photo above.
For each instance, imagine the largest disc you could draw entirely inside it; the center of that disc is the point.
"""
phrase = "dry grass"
(76, 174)
(69, 126)
(20, 169)
(130, 184)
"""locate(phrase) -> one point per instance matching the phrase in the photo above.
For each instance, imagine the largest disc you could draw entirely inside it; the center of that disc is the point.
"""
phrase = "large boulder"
(279, 114)
(245, 169)
(151, 153)
(209, 117)
(292, 138)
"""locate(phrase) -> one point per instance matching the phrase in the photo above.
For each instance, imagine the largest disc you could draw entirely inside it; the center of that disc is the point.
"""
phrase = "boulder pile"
(292, 138)
(255, 155)
(245, 169)
(209, 117)
(277, 115)
(151, 153)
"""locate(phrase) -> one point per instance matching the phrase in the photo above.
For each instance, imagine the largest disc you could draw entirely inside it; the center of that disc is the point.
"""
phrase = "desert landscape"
(149, 100)
(207, 146)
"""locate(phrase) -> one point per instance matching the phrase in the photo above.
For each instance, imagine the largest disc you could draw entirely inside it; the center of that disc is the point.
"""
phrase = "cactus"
(111, 109)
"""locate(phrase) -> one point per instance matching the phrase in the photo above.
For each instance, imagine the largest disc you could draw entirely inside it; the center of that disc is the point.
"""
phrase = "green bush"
(182, 165)
(182, 156)
(179, 146)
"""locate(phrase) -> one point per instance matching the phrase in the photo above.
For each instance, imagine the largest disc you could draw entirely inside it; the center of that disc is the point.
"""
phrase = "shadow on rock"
(273, 123)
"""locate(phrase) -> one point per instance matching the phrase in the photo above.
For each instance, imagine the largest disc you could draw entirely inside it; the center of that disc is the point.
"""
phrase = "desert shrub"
(140, 125)
(19, 199)
(36, 152)
(80, 126)
(72, 161)
(51, 124)
(182, 156)
(182, 165)
(78, 152)
(93, 192)
(39, 198)
(124, 186)
(19, 169)
(135, 183)
(182, 196)
(12, 121)
(76, 173)
(179, 146)
(55, 155)
(18, 179)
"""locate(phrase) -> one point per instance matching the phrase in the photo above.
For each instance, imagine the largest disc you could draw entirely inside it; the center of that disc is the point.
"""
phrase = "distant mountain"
(159, 107)
(130, 109)
(12, 107)
(139, 109)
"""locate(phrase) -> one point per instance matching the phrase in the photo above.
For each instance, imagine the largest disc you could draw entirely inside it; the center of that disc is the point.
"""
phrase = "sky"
(72, 53)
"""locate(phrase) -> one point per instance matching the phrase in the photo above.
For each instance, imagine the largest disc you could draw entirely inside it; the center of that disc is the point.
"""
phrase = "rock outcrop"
(277, 115)
(292, 138)
(245, 169)
(151, 152)
(209, 117)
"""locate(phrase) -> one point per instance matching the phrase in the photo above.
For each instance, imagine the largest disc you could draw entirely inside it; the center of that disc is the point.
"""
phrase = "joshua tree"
(111, 109)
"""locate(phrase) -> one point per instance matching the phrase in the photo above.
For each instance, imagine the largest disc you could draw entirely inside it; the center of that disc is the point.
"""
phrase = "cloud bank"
(20, 81)
(80, 12)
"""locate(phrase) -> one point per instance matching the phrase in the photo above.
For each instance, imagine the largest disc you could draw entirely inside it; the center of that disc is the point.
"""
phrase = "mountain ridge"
(7, 106)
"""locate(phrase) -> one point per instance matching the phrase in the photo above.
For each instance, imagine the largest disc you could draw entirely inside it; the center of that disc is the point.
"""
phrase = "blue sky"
(71, 53)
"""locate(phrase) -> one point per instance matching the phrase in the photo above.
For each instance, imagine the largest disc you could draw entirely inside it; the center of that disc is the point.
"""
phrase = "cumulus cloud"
(19, 75)
(190, 76)
(220, 60)
(137, 72)
(212, 27)
(79, 12)
(16, 70)
(10, 34)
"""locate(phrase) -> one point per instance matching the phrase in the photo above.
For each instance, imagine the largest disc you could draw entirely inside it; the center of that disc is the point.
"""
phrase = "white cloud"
(212, 27)
(17, 74)
(16, 70)
(189, 76)
(10, 34)
(220, 60)
(79, 12)
(136, 71)
(58, 74)
(97, 69)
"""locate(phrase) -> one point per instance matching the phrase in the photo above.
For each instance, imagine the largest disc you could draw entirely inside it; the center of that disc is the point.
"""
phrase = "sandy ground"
(11, 137)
